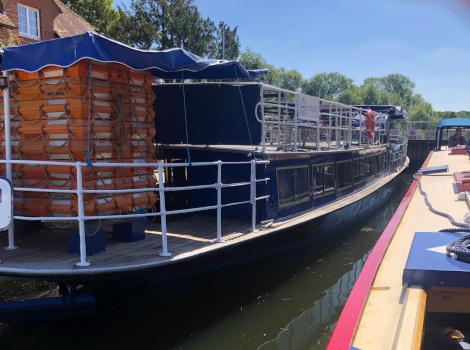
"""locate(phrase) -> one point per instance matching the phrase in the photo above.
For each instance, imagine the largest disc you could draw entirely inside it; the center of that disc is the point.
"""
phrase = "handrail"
(288, 121)
(161, 189)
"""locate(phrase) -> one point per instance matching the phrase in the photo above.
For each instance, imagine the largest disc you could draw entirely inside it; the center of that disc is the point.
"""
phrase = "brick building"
(29, 21)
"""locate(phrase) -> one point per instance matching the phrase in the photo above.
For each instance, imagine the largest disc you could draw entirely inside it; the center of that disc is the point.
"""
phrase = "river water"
(290, 302)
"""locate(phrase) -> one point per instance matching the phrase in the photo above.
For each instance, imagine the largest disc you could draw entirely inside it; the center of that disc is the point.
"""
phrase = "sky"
(426, 40)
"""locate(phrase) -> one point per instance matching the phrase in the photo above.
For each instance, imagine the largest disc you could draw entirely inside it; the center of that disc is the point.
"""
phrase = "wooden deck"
(48, 248)
(393, 314)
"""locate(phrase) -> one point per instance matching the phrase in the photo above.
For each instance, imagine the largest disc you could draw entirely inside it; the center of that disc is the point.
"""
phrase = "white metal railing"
(398, 153)
(161, 189)
(291, 120)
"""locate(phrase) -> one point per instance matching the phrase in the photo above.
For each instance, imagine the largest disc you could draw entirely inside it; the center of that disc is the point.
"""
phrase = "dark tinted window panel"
(344, 172)
(285, 186)
(301, 184)
(318, 180)
(359, 170)
(370, 166)
(329, 172)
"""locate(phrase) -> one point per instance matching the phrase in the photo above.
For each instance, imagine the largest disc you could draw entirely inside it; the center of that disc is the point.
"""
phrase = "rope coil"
(459, 249)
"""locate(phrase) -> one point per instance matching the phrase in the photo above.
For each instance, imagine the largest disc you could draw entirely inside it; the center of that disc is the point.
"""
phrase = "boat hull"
(287, 237)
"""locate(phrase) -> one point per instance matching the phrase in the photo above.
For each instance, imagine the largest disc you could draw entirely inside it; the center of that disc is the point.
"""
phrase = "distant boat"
(236, 172)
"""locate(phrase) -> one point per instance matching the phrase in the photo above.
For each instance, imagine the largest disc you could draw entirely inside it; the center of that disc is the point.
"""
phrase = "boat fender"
(370, 124)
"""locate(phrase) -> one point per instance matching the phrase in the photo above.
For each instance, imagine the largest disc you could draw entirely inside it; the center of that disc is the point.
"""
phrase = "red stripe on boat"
(344, 330)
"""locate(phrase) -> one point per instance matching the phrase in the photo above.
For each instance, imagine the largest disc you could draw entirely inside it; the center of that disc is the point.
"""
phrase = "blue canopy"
(454, 123)
(450, 123)
(167, 64)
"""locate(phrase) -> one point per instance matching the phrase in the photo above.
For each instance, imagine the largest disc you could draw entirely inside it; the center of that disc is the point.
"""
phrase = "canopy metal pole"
(9, 173)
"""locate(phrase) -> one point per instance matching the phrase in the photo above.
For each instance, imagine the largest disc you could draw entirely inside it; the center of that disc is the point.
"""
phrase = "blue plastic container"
(131, 231)
(94, 244)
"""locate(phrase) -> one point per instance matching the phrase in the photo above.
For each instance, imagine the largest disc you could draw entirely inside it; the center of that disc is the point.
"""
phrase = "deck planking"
(48, 248)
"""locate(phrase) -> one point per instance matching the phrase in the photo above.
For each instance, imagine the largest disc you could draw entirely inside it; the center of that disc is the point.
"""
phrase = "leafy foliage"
(159, 24)
(252, 60)
(232, 44)
(99, 13)
(327, 85)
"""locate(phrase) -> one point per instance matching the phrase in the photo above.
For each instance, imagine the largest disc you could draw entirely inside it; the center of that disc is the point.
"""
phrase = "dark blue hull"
(286, 238)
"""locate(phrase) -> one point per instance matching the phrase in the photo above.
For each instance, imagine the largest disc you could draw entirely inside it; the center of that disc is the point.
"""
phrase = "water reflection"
(302, 332)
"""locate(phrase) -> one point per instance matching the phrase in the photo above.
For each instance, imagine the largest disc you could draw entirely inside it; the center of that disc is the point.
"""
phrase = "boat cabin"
(314, 151)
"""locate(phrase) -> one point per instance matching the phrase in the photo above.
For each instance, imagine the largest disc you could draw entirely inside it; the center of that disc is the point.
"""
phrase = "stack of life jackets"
(89, 112)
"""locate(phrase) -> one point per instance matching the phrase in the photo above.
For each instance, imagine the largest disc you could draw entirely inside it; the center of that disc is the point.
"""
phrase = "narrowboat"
(115, 175)
(414, 289)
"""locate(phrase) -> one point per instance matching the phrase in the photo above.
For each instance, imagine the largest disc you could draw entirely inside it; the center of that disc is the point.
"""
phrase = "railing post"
(278, 125)
(296, 130)
(219, 202)
(336, 127)
(263, 127)
(161, 191)
(329, 126)
(81, 219)
(350, 118)
(253, 195)
(9, 173)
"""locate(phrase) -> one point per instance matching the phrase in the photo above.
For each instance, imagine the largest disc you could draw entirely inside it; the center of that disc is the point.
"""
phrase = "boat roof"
(168, 64)
(454, 123)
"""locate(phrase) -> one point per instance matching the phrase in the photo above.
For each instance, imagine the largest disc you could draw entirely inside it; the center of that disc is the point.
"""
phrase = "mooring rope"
(186, 120)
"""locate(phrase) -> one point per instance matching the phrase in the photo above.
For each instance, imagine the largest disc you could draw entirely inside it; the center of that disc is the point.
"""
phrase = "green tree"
(290, 80)
(421, 112)
(416, 99)
(231, 43)
(181, 25)
(165, 24)
(393, 89)
(136, 27)
(351, 96)
(400, 85)
(327, 85)
(252, 60)
(463, 114)
(99, 13)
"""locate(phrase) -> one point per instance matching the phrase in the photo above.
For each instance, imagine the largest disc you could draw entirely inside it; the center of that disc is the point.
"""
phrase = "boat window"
(371, 168)
(384, 161)
(292, 185)
(323, 179)
(301, 183)
(344, 170)
(359, 169)
(318, 180)
(377, 163)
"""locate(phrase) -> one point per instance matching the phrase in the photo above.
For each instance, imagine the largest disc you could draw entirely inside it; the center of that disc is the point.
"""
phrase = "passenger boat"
(414, 289)
(238, 170)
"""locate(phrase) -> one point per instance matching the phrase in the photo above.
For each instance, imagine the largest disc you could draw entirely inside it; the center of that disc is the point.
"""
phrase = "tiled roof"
(6, 22)
(68, 23)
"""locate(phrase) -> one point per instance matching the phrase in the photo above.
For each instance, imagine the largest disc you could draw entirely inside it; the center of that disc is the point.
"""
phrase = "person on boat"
(457, 139)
